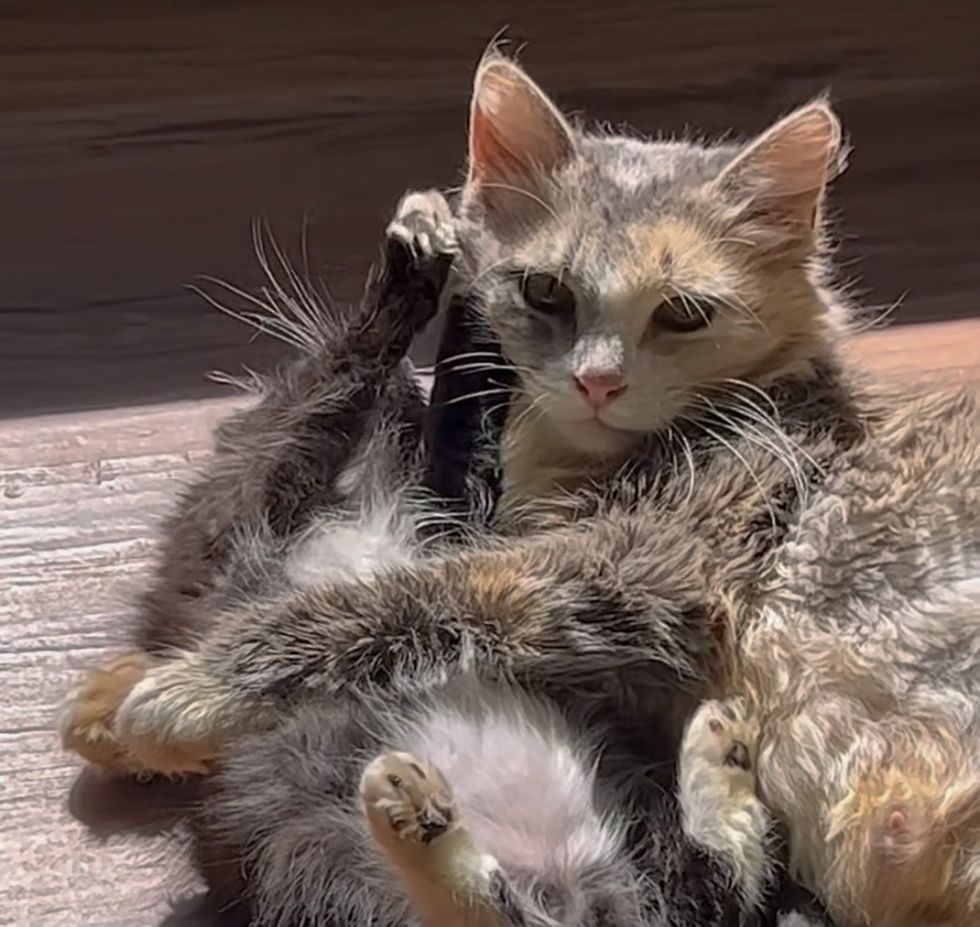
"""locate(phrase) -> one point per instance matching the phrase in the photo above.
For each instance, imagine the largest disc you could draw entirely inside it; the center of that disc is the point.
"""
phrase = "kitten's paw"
(722, 735)
(87, 717)
(407, 798)
(421, 247)
(720, 809)
(175, 719)
(423, 224)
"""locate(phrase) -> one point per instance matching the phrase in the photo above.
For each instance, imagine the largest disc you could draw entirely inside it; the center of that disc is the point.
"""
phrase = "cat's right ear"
(518, 138)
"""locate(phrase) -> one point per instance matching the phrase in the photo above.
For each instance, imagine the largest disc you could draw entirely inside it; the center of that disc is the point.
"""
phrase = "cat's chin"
(595, 438)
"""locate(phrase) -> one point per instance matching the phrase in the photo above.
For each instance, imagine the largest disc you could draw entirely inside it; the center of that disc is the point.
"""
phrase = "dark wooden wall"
(138, 141)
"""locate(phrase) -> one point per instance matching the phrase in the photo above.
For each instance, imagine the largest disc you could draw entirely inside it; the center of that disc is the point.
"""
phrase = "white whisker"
(738, 456)
(268, 324)
(479, 394)
(672, 431)
(523, 192)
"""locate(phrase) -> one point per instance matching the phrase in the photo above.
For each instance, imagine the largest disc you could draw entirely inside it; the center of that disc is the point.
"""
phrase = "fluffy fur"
(514, 813)
(747, 517)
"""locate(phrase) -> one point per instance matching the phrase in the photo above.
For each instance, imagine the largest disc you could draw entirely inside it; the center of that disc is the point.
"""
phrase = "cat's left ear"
(782, 176)
(518, 138)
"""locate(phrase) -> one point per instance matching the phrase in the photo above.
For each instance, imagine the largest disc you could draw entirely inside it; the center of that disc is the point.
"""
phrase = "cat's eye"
(547, 294)
(684, 313)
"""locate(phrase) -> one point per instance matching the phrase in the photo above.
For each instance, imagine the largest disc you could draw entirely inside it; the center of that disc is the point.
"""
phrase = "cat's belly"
(523, 782)
(338, 550)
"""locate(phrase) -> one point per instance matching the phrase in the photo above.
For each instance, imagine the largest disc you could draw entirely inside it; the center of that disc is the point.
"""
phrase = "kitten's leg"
(273, 464)
(410, 811)
(720, 809)
(566, 608)
(466, 418)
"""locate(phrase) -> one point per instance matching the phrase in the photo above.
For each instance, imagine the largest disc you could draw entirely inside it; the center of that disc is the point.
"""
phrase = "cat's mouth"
(595, 434)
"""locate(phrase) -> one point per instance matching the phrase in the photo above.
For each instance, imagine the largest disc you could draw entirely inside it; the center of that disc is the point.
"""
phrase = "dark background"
(138, 142)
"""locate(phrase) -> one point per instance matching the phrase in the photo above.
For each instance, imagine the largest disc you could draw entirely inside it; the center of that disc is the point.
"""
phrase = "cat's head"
(626, 278)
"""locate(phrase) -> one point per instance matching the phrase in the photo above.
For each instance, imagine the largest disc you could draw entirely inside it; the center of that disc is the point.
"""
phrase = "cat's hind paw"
(721, 736)
(176, 718)
(88, 714)
(719, 807)
(407, 798)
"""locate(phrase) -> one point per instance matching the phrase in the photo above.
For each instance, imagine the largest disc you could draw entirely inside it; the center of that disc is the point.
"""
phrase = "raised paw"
(88, 715)
(407, 798)
(423, 223)
(419, 252)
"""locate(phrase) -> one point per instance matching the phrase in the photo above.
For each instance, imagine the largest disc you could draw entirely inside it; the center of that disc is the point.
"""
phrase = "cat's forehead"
(639, 175)
(633, 215)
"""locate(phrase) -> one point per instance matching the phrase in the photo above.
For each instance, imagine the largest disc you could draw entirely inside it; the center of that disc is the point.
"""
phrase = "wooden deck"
(80, 495)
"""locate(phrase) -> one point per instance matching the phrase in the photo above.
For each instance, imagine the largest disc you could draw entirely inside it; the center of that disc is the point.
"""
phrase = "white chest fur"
(380, 536)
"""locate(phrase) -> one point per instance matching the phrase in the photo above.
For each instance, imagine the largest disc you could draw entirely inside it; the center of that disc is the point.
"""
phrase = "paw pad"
(720, 733)
(408, 798)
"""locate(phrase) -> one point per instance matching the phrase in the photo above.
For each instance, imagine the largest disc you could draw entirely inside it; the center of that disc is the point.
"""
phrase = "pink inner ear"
(799, 157)
(787, 168)
(514, 129)
(489, 157)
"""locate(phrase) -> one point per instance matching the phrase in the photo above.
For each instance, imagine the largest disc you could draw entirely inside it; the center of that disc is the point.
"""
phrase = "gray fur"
(753, 517)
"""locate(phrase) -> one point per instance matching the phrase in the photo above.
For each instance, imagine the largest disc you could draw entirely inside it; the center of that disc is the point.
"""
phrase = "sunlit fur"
(318, 482)
(751, 517)
(865, 671)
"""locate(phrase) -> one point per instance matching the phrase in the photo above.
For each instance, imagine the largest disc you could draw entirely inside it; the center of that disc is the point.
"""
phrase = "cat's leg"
(274, 464)
(411, 813)
(466, 418)
(567, 607)
(719, 807)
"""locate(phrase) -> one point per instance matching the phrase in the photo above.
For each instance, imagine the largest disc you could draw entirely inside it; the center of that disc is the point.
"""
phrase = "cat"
(328, 475)
(705, 499)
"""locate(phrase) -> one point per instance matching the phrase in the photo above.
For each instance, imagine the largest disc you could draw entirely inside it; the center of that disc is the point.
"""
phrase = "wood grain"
(139, 140)
(80, 496)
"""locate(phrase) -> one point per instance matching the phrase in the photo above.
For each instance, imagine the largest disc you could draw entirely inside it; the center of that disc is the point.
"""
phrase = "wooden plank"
(944, 352)
(80, 496)
(138, 141)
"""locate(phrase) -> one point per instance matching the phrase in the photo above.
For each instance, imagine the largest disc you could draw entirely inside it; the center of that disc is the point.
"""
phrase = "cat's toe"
(423, 223)
(722, 733)
(408, 798)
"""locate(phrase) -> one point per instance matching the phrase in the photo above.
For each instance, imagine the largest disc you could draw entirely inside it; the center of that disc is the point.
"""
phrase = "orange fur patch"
(86, 725)
(674, 252)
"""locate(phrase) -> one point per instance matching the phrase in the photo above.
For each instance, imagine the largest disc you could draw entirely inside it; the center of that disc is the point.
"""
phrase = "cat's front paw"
(407, 798)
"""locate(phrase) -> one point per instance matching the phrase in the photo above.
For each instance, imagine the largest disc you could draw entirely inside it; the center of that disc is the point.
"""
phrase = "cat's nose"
(601, 388)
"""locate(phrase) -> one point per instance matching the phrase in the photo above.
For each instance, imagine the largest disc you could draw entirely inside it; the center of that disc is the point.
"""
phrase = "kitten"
(707, 499)
(538, 826)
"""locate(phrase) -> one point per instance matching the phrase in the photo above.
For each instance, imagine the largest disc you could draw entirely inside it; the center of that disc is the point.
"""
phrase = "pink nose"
(600, 389)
